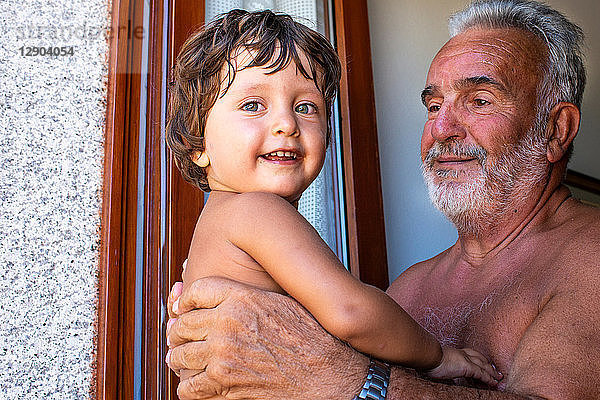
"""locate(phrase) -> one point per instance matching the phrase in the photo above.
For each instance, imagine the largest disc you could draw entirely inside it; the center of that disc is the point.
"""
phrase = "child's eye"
(251, 106)
(306, 108)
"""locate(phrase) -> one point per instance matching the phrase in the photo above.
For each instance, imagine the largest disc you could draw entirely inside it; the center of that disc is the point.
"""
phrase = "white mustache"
(456, 149)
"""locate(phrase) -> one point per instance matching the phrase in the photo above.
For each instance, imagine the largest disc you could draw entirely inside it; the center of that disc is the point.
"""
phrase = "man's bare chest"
(488, 316)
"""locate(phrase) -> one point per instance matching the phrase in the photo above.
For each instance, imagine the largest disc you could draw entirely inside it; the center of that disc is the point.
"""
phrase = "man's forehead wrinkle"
(504, 40)
(477, 81)
(506, 52)
(487, 52)
(509, 68)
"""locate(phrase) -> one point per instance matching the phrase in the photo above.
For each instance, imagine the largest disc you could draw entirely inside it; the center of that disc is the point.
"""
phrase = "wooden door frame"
(117, 263)
(184, 201)
(162, 256)
(362, 178)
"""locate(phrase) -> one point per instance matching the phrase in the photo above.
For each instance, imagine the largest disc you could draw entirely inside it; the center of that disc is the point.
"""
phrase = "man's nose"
(447, 125)
(284, 123)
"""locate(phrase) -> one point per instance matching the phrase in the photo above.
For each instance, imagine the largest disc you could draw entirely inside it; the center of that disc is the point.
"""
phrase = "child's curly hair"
(198, 75)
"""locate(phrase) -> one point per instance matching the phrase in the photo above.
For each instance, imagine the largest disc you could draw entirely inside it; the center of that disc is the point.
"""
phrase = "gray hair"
(564, 72)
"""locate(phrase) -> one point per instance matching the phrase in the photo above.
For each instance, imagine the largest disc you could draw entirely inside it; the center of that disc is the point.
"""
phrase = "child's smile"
(267, 133)
(281, 156)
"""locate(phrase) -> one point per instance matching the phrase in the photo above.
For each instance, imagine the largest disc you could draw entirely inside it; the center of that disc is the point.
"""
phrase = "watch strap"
(376, 384)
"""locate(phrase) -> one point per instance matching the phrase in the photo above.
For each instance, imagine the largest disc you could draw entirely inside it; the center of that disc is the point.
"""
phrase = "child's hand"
(467, 363)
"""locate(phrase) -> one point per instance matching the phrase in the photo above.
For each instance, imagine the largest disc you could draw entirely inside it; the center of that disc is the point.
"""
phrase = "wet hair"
(204, 71)
(563, 71)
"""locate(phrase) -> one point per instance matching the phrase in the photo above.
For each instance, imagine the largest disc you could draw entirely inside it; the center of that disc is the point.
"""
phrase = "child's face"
(267, 133)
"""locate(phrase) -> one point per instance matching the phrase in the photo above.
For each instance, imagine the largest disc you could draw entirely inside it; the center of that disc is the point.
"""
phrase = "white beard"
(502, 183)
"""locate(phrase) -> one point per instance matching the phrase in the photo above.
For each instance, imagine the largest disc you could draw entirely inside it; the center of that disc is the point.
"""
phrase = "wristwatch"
(378, 378)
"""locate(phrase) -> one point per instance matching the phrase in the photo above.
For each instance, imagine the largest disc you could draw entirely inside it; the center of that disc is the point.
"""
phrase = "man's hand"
(252, 344)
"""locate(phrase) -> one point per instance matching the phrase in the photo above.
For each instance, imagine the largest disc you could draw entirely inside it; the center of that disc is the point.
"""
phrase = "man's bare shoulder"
(584, 209)
(565, 278)
(412, 278)
(571, 258)
(578, 234)
(426, 267)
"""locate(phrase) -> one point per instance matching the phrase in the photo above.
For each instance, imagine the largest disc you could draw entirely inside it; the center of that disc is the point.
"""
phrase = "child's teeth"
(282, 154)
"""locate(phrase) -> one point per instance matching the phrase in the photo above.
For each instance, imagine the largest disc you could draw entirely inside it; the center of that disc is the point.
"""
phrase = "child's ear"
(563, 125)
(200, 159)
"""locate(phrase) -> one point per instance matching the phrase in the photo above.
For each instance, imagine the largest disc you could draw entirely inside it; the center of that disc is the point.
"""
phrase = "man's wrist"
(376, 383)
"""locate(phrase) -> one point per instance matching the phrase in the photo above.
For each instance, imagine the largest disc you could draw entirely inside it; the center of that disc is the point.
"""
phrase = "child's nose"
(284, 123)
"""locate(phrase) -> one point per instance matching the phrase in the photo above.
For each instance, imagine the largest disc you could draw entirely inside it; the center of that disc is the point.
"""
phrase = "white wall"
(405, 36)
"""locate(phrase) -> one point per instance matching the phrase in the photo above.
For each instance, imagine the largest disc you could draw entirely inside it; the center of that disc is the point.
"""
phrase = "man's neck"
(523, 215)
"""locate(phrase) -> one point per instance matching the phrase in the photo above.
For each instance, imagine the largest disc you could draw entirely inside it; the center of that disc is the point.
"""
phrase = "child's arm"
(271, 231)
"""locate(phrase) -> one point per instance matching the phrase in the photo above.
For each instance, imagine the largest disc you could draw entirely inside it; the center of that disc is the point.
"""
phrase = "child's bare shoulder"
(258, 204)
(262, 197)
(257, 214)
(235, 213)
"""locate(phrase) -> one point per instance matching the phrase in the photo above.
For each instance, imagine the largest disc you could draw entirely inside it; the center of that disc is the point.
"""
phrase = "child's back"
(213, 254)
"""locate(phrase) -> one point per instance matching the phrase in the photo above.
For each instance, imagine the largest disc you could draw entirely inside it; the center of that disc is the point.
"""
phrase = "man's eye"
(306, 108)
(481, 102)
(251, 106)
(433, 108)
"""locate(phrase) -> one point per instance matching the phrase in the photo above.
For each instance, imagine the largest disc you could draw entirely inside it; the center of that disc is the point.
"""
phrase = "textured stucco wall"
(51, 137)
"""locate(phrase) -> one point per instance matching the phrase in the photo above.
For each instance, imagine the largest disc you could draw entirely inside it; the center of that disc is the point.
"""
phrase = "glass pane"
(317, 204)
(309, 12)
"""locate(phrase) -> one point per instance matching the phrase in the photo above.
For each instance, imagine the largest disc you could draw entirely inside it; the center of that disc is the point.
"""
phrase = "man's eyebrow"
(428, 91)
(480, 80)
(465, 84)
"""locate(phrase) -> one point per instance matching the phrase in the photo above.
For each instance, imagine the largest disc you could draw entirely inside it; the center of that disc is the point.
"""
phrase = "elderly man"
(521, 283)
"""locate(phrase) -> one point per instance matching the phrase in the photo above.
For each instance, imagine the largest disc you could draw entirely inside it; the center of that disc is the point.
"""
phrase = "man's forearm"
(405, 385)
(262, 345)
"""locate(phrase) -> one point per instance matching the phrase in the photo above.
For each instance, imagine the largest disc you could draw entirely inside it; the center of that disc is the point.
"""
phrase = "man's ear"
(563, 125)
